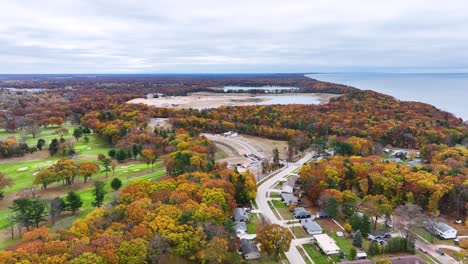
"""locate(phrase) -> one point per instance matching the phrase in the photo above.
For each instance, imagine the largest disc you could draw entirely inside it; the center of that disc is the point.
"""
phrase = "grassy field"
(316, 255)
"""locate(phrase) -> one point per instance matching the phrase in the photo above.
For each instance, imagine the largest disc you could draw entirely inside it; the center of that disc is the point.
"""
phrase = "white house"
(327, 244)
(444, 231)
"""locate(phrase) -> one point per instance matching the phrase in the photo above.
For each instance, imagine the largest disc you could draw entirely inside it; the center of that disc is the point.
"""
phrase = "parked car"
(440, 252)
(423, 250)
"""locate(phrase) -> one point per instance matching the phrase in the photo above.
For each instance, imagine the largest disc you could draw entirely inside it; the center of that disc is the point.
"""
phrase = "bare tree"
(406, 217)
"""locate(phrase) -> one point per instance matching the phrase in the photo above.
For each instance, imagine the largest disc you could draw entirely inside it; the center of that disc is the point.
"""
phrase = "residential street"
(293, 254)
(446, 259)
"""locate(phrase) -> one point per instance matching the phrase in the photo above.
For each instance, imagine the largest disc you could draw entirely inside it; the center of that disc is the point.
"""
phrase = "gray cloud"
(232, 36)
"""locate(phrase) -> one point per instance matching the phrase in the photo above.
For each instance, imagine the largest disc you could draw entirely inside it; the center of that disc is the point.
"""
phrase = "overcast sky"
(96, 36)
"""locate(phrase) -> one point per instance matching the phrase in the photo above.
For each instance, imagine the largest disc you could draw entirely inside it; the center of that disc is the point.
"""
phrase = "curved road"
(263, 190)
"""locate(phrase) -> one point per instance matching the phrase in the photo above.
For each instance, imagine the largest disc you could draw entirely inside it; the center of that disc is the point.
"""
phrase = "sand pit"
(23, 169)
(205, 100)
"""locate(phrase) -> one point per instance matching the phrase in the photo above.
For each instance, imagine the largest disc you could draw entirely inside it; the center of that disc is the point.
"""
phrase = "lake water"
(448, 92)
(288, 99)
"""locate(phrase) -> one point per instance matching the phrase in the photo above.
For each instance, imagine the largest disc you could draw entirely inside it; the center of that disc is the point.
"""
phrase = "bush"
(373, 249)
(352, 253)
(463, 243)
(396, 244)
(348, 228)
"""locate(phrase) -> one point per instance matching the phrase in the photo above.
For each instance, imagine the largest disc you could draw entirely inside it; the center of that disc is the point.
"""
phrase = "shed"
(249, 249)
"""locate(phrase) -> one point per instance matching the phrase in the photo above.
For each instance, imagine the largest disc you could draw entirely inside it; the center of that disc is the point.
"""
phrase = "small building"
(249, 249)
(288, 198)
(443, 230)
(407, 260)
(321, 214)
(241, 228)
(311, 227)
(327, 244)
(240, 215)
(361, 255)
(301, 213)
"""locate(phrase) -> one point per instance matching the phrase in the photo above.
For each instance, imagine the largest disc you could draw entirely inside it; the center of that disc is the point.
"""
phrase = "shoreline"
(201, 100)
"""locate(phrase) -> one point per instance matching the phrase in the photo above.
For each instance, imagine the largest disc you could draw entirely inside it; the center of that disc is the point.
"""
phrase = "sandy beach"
(213, 100)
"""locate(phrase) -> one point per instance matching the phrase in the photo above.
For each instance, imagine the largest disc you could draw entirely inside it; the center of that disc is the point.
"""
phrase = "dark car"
(440, 252)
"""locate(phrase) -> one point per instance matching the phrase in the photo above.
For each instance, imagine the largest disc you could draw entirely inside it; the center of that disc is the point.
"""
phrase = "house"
(407, 260)
(311, 227)
(301, 213)
(241, 228)
(321, 214)
(327, 244)
(249, 249)
(240, 215)
(287, 187)
(288, 198)
(380, 236)
(442, 230)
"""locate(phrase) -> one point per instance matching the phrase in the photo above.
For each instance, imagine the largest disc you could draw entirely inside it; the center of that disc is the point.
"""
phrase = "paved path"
(263, 190)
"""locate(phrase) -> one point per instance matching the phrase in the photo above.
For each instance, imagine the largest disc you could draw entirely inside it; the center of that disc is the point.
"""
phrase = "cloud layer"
(97, 36)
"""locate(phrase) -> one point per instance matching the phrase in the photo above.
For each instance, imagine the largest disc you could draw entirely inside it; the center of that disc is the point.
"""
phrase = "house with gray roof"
(240, 215)
(288, 198)
(249, 249)
(301, 213)
(241, 228)
(311, 227)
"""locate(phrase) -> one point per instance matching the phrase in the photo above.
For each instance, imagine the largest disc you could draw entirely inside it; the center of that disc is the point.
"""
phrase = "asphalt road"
(263, 190)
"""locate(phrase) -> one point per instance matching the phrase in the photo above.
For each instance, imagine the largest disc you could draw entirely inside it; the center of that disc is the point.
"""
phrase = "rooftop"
(248, 246)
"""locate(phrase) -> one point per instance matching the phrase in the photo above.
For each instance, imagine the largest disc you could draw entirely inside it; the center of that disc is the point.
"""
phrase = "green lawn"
(9, 242)
(252, 224)
(345, 244)
(316, 255)
(426, 235)
(278, 204)
(304, 255)
(299, 232)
